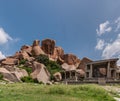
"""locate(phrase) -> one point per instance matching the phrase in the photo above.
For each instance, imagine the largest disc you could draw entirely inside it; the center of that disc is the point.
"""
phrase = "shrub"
(43, 59)
(23, 61)
(27, 79)
(1, 76)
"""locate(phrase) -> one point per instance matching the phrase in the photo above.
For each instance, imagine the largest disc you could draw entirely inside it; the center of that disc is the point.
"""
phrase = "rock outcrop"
(68, 62)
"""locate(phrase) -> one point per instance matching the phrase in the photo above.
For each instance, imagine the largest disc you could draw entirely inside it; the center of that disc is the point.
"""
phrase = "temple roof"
(103, 61)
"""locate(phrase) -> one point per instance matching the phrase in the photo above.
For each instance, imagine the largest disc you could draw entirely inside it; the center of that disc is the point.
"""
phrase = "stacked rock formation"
(30, 52)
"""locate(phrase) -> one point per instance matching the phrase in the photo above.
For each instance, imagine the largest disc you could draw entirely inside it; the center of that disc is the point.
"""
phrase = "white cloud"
(2, 56)
(100, 44)
(4, 37)
(104, 27)
(112, 49)
(118, 24)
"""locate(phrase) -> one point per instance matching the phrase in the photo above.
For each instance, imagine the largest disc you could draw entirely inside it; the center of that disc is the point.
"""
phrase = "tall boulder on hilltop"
(36, 49)
(48, 46)
(27, 49)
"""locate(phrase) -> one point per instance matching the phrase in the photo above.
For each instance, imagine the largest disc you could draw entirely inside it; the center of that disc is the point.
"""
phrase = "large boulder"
(36, 49)
(83, 63)
(19, 73)
(8, 76)
(12, 74)
(68, 67)
(71, 59)
(58, 76)
(40, 73)
(48, 46)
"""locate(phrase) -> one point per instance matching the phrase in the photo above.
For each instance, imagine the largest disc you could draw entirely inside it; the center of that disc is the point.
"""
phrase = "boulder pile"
(10, 66)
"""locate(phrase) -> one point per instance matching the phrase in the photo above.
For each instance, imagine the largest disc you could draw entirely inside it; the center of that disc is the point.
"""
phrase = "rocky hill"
(38, 63)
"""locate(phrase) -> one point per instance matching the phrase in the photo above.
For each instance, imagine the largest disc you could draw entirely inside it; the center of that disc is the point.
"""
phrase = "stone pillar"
(76, 79)
(91, 71)
(70, 74)
(85, 71)
(65, 75)
(108, 70)
(115, 75)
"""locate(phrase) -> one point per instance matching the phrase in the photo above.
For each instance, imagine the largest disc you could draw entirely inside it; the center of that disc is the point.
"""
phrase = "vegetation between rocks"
(51, 66)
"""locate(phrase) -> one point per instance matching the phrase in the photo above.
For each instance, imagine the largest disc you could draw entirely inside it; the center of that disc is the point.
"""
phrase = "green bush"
(43, 59)
(23, 61)
(1, 76)
(27, 79)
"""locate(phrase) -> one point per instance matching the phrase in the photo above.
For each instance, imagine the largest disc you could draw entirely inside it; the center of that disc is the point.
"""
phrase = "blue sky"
(83, 27)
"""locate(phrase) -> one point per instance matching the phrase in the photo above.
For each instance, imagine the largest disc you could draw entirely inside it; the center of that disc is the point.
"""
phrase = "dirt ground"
(115, 90)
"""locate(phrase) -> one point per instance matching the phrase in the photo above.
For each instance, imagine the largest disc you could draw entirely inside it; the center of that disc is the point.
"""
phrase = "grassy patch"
(36, 92)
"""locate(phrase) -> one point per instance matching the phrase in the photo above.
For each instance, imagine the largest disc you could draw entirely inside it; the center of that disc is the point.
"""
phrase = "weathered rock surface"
(23, 55)
(19, 73)
(58, 53)
(12, 74)
(70, 59)
(8, 76)
(36, 49)
(103, 71)
(48, 46)
(67, 67)
(27, 49)
(40, 73)
(80, 72)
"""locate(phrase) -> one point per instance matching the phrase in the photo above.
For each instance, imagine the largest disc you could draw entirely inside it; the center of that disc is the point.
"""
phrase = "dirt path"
(113, 89)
